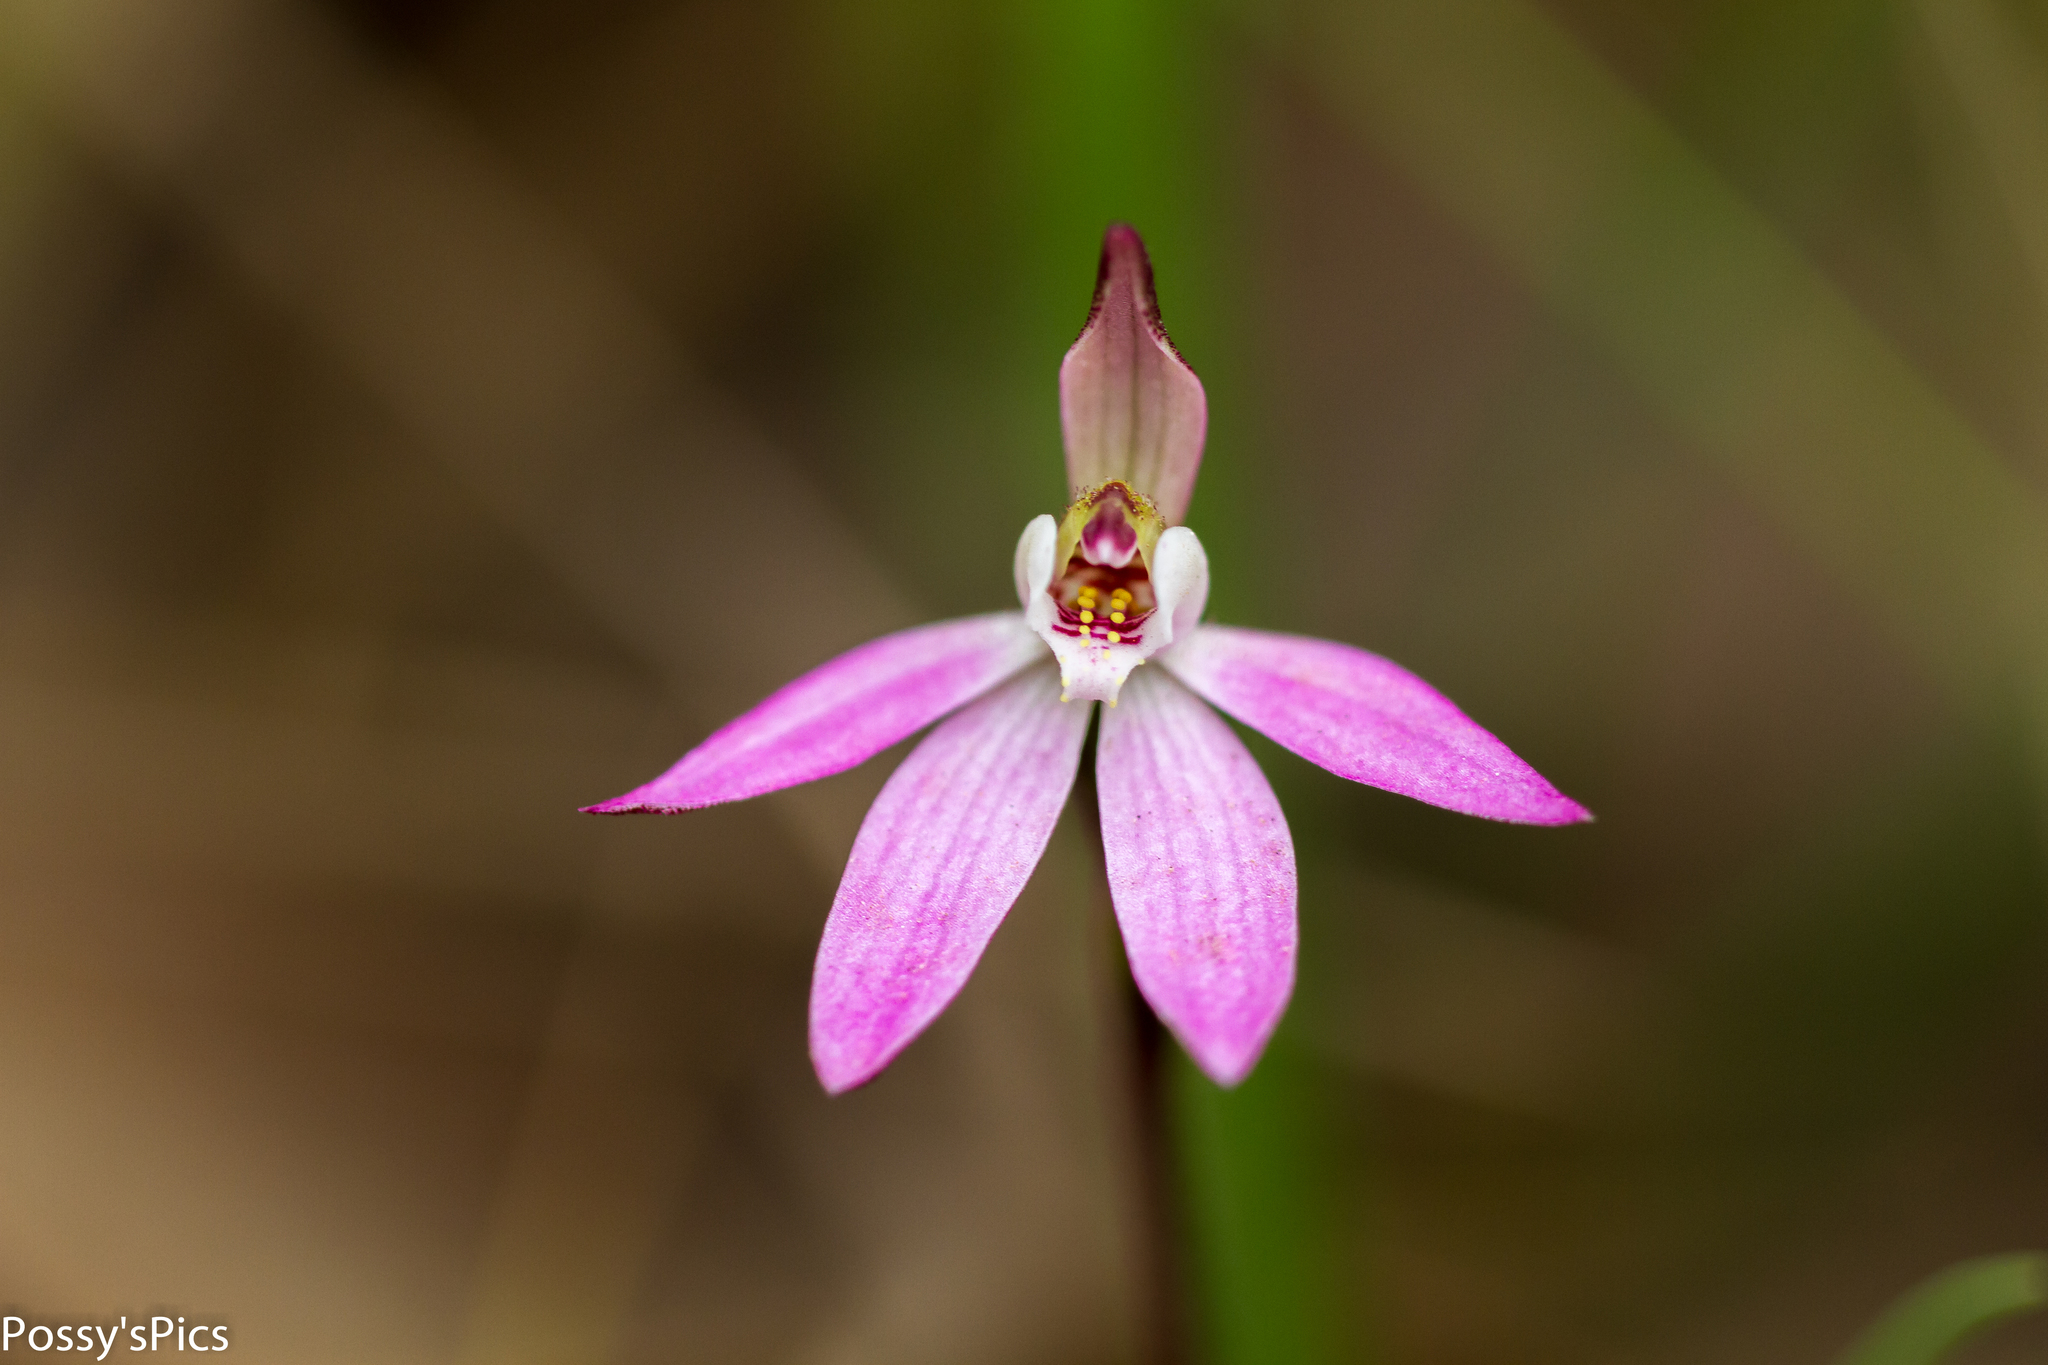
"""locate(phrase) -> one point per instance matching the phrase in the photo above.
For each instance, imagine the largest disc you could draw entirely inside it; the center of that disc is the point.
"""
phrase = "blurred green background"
(420, 419)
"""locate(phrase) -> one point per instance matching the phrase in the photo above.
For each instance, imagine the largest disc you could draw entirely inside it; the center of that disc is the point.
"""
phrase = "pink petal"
(1367, 719)
(842, 713)
(1129, 405)
(939, 860)
(1201, 869)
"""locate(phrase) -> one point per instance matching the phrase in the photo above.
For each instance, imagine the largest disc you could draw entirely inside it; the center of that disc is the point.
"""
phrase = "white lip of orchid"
(1093, 666)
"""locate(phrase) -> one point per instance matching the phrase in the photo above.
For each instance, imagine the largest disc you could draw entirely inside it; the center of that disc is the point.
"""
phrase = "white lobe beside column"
(1033, 565)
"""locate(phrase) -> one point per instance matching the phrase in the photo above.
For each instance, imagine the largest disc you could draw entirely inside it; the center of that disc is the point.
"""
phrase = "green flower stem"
(1120, 116)
(1953, 1306)
(1266, 1210)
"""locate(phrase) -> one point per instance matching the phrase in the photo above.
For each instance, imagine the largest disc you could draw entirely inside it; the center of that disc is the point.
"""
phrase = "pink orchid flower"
(1201, 866)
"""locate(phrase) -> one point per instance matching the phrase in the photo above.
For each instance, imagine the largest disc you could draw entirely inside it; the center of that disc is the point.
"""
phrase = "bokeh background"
(420, 419)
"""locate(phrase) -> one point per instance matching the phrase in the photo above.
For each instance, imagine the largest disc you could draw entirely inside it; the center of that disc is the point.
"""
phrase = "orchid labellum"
(1200, 863)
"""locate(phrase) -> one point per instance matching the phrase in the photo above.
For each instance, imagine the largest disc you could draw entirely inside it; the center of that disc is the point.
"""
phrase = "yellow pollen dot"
(1114, 637)
(1084, 632)
(1124, 593)
(1117, 617)
(1087, 615)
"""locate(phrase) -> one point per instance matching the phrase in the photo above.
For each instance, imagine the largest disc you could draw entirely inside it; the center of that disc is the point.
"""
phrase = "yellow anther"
(1084, 632)
(1087, 615)
(1117, 617)
(1114, 637)
(1124, 593)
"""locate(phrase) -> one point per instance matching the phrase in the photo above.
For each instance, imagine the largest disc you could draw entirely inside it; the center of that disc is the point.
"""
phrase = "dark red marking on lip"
(1104, 580)
(1124, 634)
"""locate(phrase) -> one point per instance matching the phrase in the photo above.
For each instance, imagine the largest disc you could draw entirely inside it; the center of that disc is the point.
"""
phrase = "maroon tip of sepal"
(1126, 263)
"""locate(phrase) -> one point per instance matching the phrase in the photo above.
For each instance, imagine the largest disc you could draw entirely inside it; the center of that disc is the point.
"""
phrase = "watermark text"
(157, 1333)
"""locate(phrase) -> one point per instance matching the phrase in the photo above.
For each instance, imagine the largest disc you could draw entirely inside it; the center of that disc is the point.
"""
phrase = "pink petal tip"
(841, 713)
(940, 858)
(1367, 719)
(1201, 871)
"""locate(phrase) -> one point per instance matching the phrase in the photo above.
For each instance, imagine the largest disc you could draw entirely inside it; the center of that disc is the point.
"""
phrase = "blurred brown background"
(420, 419)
